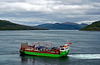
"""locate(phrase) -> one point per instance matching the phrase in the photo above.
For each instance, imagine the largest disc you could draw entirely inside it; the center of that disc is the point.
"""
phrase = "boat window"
(62, 48)
(66, 48)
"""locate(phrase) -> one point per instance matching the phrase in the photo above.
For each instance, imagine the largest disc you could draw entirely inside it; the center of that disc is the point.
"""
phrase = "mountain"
(95, 26)
(7, 25)
(62, 26)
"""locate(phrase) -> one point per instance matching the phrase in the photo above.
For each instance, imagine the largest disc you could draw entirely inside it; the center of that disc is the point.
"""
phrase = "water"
(85, 48)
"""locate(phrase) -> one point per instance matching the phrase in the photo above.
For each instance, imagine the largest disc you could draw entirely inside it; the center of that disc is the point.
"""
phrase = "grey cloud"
(95, 0)
(12, 0)
(42, 11)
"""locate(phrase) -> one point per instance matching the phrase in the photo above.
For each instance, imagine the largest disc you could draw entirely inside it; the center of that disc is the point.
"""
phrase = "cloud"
(46, 6)
(43, 11)
(95, 0)
(88, 22)
(28, 5)
(12, 0)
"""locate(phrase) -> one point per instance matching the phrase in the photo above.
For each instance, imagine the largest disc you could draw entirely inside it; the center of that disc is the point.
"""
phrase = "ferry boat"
(46, 49)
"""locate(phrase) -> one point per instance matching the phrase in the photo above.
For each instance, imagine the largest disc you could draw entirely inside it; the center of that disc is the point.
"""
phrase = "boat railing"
(46, 44)
(47, 48)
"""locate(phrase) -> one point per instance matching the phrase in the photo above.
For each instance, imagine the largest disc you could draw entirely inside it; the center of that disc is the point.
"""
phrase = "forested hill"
(7, 25)
(95, 26)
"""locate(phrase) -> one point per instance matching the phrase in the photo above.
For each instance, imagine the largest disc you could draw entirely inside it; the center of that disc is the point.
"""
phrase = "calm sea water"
(85, 48)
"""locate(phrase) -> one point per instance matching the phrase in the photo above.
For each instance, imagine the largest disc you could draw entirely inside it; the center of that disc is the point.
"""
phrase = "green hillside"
(7, 25)
(95, 26)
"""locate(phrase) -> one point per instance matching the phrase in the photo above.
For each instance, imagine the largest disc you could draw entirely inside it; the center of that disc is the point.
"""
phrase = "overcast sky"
(34, 12)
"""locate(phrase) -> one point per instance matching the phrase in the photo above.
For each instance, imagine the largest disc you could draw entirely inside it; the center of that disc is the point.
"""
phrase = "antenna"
(67, 41)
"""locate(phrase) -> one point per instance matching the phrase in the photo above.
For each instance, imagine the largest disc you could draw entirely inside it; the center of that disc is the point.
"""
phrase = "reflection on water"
(25, 59)
(35, 60)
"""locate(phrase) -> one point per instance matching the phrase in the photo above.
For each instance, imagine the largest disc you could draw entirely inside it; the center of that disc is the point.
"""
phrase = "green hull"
(64, 53)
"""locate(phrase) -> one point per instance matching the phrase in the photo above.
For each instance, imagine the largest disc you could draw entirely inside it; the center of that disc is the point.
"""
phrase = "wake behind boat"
(46, 49)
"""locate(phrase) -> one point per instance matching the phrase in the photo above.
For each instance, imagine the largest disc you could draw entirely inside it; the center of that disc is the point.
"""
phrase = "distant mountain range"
(95, 26)
(7, 25)
(62, 26)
